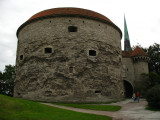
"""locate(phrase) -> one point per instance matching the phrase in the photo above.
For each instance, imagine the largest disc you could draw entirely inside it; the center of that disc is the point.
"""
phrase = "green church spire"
(127, 46)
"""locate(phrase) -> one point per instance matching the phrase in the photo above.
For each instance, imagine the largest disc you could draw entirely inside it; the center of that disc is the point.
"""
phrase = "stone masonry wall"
(69, 73)
(128, 70)
(139, 68)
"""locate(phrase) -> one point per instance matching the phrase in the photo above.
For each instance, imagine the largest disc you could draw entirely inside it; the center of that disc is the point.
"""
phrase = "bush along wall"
(153, 97)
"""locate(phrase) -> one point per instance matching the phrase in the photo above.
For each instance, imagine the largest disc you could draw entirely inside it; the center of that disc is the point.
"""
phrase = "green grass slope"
(93, 106)
(18, 109)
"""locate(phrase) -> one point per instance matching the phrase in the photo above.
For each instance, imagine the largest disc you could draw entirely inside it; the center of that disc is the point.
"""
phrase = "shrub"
(153, 97)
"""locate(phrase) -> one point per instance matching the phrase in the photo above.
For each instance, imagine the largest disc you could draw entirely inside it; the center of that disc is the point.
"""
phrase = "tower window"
(97, 91)
(92, 53)
(72, 29)
(21, 57)
(70, 69)
(48, 50)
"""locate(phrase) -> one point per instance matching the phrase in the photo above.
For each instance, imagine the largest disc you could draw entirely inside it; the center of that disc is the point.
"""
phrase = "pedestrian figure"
(138, 96)
(134, 97)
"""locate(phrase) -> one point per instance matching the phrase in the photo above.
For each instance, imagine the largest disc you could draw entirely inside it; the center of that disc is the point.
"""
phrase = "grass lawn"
(93, 106)
(152, 109)
(18, 109)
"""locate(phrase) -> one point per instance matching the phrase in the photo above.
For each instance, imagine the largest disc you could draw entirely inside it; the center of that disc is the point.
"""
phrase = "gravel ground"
(130, 111)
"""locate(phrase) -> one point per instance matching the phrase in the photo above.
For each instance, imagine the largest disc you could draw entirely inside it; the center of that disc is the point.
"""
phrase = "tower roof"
(127, 46)
(69, 12)
(126, 53)
(138, 52)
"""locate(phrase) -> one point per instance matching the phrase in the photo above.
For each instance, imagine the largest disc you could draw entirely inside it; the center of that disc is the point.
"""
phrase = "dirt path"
(130, 111)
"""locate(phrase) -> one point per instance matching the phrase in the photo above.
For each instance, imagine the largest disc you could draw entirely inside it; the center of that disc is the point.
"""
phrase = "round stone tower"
(140, 60)
(69, 55)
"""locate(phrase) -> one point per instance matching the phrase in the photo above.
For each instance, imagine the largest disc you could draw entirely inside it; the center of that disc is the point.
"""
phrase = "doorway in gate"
(128, 89)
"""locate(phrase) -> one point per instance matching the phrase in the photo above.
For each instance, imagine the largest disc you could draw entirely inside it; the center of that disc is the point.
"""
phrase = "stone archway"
(128, 89)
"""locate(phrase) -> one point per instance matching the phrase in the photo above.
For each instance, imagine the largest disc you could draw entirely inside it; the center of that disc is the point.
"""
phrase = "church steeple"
(127, 46)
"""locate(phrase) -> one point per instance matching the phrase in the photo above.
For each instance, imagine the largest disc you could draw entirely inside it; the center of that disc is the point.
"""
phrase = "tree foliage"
(7, 80)
(153, 97)
(154, 53)
(152, 79)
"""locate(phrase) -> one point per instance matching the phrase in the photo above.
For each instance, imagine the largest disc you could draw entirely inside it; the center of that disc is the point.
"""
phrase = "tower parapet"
(141, 58)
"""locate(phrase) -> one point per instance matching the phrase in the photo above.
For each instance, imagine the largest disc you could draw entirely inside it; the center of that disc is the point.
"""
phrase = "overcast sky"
(142, 16)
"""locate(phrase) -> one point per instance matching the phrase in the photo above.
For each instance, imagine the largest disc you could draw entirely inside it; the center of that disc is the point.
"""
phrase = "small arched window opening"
(48, 50)
(92, 53)
(21, 57)
(70, 69)
(97, 91)
(72, 29)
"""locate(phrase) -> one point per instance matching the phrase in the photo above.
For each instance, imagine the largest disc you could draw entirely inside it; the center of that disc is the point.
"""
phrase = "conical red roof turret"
(138, 52)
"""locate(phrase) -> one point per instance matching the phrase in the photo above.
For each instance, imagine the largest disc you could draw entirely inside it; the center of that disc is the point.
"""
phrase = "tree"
(152, 79)
(7, 80)
(154, 53)
(153, 97)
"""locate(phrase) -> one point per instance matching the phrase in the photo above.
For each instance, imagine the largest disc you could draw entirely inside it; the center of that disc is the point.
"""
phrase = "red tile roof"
(136, 52)
(70, 11)
(76, 12)
(126, 53)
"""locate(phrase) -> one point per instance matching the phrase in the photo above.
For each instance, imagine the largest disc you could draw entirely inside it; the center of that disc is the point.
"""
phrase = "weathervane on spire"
(127, 46)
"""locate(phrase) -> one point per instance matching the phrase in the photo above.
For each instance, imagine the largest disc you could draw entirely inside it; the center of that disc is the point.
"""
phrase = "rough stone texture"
(128, 68)
(139, 68)
(46, 76)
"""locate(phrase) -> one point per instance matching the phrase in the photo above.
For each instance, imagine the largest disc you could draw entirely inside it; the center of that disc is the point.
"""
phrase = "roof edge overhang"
(67, 15)
(140, 56)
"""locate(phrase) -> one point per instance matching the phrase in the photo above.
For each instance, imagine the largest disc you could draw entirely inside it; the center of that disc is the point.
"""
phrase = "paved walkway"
(130, 111)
